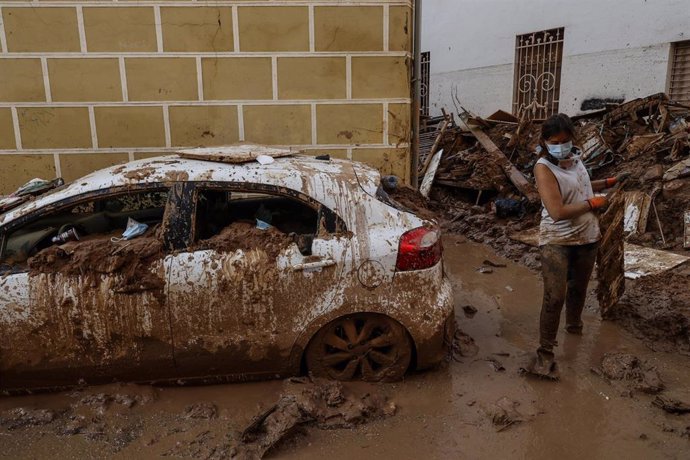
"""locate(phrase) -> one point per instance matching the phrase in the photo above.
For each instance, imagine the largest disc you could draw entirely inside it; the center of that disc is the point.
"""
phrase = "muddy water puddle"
(469, 408)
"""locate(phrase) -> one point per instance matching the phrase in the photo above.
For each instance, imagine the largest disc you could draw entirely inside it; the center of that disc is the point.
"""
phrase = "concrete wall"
(84, 85)
(612, 49)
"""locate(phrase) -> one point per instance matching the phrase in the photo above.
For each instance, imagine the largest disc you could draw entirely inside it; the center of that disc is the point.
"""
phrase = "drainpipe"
(417, 91)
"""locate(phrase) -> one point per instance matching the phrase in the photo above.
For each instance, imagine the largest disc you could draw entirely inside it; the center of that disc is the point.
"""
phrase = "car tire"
(363, 346)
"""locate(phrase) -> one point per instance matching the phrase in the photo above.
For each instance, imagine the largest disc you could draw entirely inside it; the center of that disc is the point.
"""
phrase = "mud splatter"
(140, 174)
(176, 176)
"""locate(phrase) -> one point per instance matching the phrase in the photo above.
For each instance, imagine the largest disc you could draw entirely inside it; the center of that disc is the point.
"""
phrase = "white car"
(245, 271)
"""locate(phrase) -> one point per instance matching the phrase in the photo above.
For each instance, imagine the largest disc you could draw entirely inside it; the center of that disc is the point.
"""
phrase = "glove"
(611, 181)
(598, 202)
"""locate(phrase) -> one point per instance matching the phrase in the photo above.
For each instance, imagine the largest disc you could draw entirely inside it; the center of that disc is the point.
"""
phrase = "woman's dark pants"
(566, 271)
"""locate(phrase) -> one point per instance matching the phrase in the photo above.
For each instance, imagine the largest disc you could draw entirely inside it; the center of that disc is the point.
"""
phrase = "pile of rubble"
(485, 177)
(478, 175)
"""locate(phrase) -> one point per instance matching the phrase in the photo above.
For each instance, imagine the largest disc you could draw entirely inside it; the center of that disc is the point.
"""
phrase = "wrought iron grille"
(426, 72)
(537, 85)
(679, 77)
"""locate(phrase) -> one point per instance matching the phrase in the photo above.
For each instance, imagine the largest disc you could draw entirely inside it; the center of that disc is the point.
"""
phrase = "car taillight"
(419, 248)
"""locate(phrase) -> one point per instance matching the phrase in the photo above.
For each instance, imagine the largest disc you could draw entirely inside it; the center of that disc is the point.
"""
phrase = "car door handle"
(313, 264)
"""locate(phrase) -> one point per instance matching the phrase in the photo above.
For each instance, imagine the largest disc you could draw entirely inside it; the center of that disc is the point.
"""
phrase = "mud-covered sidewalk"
(476, 406)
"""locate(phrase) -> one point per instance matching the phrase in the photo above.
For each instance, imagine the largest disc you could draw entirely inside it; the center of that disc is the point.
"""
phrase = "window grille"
(426, 71)
(537, 84)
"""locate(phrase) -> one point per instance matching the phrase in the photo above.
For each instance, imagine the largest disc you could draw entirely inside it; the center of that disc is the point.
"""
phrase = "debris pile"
(322, 403)
(486, 168)
(631, 372)
(483, 187)
(672, 405)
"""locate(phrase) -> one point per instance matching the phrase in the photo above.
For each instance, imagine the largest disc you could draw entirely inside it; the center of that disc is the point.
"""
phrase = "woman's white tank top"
(576, 187)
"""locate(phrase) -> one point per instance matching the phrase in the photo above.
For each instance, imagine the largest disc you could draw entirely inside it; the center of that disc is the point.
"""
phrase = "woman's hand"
(603, 184)
(598, 202)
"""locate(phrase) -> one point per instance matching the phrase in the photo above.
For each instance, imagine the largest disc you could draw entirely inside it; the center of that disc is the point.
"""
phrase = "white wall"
(612, 48)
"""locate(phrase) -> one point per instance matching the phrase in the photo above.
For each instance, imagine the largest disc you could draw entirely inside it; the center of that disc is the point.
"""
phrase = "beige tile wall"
(85, 84)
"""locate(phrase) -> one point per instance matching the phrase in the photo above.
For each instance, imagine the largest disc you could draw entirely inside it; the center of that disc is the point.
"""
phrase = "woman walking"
(568, 234)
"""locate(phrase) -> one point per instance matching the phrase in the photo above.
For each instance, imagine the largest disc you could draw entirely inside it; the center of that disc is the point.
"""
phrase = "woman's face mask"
(560, 151)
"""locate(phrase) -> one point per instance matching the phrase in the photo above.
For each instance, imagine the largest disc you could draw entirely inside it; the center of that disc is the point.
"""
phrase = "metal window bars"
(537, 84)
(426, 72)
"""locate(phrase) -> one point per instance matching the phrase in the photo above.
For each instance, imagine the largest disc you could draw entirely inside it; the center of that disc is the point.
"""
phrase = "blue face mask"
(560, 151)
(133, 230)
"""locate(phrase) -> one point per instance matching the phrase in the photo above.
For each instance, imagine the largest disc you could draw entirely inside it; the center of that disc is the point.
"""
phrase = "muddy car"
(244, 271)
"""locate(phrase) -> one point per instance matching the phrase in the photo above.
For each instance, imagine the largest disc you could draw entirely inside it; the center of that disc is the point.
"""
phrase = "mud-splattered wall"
(84, 85)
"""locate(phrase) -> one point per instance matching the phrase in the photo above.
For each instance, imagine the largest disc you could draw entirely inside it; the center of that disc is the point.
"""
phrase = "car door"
(85, 309)
(260, 264)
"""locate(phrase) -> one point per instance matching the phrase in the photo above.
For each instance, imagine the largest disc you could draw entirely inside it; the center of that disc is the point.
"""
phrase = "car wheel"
(363, 346)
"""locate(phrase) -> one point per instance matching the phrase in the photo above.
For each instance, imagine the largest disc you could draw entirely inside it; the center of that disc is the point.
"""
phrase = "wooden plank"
(234, 153)
(611, 254)
(430, 174)
(514, 175)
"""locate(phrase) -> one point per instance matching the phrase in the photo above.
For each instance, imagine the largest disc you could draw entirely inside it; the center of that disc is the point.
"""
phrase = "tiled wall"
(88, 84)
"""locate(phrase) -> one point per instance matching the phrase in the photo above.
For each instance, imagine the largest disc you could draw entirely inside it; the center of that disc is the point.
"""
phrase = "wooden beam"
(611, 255)
(514, 175)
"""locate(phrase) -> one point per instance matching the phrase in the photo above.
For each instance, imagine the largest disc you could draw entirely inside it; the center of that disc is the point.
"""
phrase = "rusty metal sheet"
(611, 255)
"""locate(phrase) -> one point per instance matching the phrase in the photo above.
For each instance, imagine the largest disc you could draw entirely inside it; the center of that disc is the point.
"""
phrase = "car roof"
(323, 180)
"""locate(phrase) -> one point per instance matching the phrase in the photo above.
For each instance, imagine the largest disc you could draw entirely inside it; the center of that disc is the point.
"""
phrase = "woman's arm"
(550, 195)
(599, 185)
(603, 184)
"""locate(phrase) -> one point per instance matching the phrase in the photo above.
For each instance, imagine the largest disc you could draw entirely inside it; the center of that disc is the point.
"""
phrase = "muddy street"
(473, 407)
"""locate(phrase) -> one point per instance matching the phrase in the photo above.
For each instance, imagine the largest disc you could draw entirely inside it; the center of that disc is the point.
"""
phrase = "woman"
(568, 233)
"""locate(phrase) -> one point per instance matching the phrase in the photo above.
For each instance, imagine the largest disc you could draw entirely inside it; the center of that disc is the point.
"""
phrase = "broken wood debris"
(321, 403)
(487, 160)
(514, 175)
(611, 254)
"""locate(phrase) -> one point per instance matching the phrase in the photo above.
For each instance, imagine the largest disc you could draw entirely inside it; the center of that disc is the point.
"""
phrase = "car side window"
(89, 221)
(237, 219)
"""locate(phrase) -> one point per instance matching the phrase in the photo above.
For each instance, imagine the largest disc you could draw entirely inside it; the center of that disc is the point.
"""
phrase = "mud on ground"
(657, 309)
(111, 418)
(456, 411)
